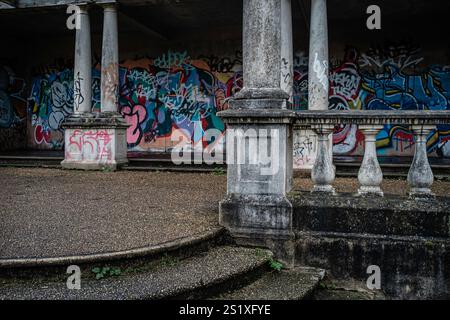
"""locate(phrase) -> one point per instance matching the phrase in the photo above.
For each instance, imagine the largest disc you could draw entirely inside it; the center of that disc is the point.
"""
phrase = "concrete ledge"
(389, 215)
(93, 166)
(411, 267)
(182, 243)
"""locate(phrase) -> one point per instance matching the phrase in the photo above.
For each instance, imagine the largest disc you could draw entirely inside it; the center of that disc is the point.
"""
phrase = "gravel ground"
(53, 213)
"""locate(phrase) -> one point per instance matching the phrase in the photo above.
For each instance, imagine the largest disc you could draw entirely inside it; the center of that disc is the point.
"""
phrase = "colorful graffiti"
(156, 96)
(12, 110)
(51, 102)
(174, 91)
(383, 78)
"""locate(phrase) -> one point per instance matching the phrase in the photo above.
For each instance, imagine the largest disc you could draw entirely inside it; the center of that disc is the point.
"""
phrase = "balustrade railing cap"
(406, 117)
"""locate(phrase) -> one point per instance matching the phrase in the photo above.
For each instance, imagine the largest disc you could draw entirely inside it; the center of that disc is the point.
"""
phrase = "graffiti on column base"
(92, 145)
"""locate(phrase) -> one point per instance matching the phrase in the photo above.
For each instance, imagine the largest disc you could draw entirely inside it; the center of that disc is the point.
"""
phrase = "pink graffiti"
(135, 117)
(96, 143)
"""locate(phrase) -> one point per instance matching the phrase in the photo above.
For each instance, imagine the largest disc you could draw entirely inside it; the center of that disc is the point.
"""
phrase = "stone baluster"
(323, 172)
(420, 176)
(370, 175)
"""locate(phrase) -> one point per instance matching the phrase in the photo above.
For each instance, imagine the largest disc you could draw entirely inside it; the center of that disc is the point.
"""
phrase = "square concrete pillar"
(95, 143)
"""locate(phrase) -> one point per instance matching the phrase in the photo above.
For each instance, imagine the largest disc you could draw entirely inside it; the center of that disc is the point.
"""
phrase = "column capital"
(109, 6)
(422, 129)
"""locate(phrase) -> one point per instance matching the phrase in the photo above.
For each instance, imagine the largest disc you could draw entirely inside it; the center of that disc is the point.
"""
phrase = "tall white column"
(99, 144)
(318, 57)
(370, 174)
(287, 50)
(318, 81)
(420, 177)
(83, 66)
(110, 61)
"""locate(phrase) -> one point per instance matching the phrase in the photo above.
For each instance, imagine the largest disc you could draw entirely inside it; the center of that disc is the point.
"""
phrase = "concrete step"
(296, 284)
(159, 164)
(210, 273)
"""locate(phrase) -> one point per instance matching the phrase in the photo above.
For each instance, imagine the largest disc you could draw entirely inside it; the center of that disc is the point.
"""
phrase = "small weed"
(323, 286)
(219, 171)
(429, 244)
(275, 265)
(327, 286)
(168, 261)
(106, 169)
(106, 272)
(260, 252)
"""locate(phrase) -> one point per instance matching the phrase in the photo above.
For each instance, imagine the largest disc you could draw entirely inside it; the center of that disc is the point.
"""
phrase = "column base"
(324, 189)
(260, 221)
(95, 143)
(370, 190)
(424, 193)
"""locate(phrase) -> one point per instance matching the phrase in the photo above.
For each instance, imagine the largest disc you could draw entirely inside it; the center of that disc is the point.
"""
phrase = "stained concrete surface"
(52, 213)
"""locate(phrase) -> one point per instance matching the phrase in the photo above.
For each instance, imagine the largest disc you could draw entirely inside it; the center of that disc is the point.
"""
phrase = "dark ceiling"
(169, 19)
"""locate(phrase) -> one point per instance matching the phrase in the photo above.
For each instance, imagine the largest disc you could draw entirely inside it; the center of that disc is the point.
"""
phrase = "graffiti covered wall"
(12, 110)
(174, 91)
(389, 77)
(157, 96)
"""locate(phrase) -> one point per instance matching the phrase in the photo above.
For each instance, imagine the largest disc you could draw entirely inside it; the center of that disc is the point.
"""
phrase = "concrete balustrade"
(370, 122)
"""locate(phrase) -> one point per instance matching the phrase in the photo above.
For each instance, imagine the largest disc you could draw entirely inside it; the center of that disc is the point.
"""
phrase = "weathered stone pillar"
(110, 61)
(420, 177)
(259, 140)
(287, 51)
(323, 173)
(370, 174)
(97, 142)
(82, 100)
(318, 81)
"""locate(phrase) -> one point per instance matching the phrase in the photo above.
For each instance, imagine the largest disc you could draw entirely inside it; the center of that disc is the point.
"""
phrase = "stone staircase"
(215, 270)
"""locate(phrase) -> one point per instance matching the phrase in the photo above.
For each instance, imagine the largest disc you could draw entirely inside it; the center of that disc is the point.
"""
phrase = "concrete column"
(97, 142)
(370, 175)
(110, 61)
(420, 177)
(262, 51)
(256, 210)
(287, 50)
(318, 80)
(323, 173)
(83, 66)
(318, 57)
